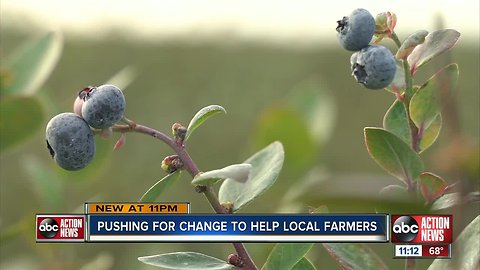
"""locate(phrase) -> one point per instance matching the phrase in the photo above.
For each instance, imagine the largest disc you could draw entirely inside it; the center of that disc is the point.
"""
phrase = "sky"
(299, 21)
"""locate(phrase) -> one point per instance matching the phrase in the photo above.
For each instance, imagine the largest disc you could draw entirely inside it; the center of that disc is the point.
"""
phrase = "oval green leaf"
(46, 183)
(453, 199)
(435, 44)
(410, 43)
(266, 166)
(396, 121)
(393, 154)
(393, 191)
(32, 65)
(20, 118)
(156, 190)
(317, 106)
(339, 191)
(397, 86)
(304, 264)
(354, 256)
(283, 123)
(186, 260)
(123, 78)
(467, 246)
(286, 255)
(237, 172)
(432, 186)
(425, 105)
(201, 116)
(430, 133)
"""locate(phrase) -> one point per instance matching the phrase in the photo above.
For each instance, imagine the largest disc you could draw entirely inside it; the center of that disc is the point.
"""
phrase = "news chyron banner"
(422, 235)
(237, 228)
(172, 222)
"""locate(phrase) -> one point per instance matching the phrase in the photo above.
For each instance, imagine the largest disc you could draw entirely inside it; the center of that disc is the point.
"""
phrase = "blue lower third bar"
(237, 228)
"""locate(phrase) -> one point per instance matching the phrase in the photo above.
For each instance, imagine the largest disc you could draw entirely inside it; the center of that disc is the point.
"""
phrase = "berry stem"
(416, 136)
(193, 170)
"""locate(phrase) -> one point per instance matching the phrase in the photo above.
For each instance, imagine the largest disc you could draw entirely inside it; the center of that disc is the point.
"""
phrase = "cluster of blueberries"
(373, 66)
(70, 138)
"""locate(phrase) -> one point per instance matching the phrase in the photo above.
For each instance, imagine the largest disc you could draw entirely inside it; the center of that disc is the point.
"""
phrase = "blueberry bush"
(410, 126)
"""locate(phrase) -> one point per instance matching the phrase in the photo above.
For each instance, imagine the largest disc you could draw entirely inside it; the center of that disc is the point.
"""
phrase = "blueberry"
(356, 31)
(70, 141)
(373, 66)
(103, 106)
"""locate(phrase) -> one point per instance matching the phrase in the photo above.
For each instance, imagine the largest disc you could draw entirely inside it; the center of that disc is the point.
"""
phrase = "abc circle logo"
(48, 228)
(405, 228)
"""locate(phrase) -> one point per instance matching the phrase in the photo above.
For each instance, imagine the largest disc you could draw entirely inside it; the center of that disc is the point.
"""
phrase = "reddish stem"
(192, 168)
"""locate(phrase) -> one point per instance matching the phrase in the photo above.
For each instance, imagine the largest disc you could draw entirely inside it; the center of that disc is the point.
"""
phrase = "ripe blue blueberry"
(103, 106)
(356, 31)
(373, 66)
(70, 141)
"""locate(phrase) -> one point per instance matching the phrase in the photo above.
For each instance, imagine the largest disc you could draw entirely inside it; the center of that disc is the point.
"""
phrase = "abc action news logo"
(422, 229)
(60, 228)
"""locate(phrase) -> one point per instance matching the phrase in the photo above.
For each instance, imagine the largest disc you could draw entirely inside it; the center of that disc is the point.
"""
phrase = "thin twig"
(415, 135)
(192, 168)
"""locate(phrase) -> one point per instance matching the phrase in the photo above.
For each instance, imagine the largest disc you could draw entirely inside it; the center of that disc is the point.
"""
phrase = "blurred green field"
(175, 79)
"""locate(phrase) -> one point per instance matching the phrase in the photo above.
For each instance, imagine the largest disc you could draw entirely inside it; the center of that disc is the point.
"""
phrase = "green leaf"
(446, 201)
(424, 105)
(237, 172)
(453, 199)
(20, 118)
(430, 133)
(186, 260)
(123, 78)
(266, 166)
(286, 255)
(304, 264)
(435, 44)
(316, 104)
(32, 65)
(322, 209)
(338, 191)
(396, 121)
(393, 154)
(156, 190)
(425, 108)
(431, 186)
(393, 191)
(281, 122)
(201, 117)
(45, 181)
(354, 256)
(466, 248)
(398, 82)
(410, 43)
